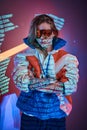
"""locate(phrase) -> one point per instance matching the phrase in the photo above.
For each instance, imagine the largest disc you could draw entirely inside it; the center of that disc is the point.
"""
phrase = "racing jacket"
(38, 100)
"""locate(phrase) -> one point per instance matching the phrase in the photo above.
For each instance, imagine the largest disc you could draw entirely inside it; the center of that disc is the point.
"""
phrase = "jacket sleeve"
(72, 73)
(70, 77)
(67, 73)
(20, 72)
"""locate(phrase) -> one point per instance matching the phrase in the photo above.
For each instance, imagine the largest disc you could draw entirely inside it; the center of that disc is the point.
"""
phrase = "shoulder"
(20, 58)
(68, 57)
(27, 52)
(59, 54)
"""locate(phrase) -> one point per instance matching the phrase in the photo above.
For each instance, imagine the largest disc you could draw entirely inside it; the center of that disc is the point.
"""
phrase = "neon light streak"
(13, 51)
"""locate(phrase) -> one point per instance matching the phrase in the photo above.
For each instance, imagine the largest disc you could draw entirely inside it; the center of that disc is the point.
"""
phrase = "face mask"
(45, 42)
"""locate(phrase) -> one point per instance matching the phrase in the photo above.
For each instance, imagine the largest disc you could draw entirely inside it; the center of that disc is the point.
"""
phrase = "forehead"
(44, 26)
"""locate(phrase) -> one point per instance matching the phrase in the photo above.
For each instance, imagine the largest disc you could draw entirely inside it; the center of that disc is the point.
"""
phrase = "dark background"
(74, 32)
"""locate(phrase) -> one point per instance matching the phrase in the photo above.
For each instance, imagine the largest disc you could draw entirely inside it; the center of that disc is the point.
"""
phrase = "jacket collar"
(57, 43)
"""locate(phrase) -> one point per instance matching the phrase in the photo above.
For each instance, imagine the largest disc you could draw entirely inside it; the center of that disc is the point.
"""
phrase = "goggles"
(44, 32)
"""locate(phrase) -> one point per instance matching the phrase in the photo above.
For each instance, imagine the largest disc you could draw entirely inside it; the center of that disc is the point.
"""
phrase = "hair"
(36, 22)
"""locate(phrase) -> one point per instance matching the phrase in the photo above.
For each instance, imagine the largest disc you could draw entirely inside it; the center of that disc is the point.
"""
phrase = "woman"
(46, 76)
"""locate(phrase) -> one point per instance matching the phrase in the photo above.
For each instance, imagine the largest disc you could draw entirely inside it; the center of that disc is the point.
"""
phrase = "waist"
(39, 104)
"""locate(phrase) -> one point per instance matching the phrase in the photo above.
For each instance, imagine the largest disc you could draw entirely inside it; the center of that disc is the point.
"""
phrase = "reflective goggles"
(44, 32)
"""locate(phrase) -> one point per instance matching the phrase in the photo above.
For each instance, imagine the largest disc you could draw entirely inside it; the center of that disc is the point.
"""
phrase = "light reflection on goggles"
(44, 32)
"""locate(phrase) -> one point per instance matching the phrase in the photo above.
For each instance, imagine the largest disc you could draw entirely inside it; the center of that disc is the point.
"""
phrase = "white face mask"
(45, 42)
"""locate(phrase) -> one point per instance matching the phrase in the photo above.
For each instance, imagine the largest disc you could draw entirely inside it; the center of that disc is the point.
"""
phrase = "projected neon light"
(4, 80)
(5, 26)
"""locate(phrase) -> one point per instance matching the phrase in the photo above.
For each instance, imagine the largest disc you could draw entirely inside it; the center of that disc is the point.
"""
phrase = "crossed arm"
(24, 78)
